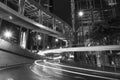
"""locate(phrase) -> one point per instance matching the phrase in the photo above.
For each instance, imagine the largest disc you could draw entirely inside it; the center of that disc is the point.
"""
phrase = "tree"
(106, 33)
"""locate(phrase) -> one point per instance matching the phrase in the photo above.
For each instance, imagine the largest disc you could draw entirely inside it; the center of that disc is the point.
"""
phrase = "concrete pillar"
(23, 38)
(20, 36)
(21, 6)
(54, 27)
(40, 17)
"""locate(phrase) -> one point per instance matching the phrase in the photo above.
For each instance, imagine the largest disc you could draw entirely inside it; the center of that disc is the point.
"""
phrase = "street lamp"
(80, 13)
(7, 34)
(56, 40)
(10, 17)
(39, 37)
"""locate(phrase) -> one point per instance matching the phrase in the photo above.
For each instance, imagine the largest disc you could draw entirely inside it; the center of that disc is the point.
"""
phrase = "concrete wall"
(11, 54)
(8, 59)
(15, 49)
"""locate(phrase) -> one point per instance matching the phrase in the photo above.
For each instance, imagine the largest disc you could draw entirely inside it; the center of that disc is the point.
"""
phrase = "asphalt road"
(47, 71)
(63, 72)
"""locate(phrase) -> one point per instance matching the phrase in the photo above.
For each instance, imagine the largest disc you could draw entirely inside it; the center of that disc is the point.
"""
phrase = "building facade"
(94, 12)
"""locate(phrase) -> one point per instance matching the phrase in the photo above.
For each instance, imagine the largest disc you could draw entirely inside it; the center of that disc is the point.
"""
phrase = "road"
(50, 71)
(62, 72)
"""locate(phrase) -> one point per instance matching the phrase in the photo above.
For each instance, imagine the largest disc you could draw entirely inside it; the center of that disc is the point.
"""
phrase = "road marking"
(77, 72)
(84, 69)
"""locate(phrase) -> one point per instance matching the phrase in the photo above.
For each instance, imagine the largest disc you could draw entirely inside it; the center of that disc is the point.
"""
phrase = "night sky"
(62, 9)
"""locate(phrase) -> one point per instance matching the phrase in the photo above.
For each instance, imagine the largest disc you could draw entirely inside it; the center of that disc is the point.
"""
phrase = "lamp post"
(81, 14)
(56, 43)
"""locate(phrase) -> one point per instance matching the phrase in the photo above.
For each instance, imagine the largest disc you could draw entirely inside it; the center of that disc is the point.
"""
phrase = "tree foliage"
(107, 32)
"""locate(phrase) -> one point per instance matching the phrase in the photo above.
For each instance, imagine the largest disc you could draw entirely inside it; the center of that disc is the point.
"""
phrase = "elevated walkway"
(6, 12)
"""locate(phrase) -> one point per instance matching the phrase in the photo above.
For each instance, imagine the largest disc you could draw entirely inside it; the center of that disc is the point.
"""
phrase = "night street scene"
(59, 39)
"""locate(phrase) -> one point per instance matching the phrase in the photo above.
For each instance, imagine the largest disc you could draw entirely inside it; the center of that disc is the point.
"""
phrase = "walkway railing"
(34, 11)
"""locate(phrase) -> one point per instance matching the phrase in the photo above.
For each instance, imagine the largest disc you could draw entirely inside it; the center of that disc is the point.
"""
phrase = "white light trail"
(84, 69)
(76, 72)
(82, 49)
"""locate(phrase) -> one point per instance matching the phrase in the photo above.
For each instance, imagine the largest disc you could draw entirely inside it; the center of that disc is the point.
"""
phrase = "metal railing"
(33, 10)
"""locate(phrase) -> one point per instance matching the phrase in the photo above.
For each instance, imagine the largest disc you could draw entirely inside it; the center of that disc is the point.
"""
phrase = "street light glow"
(7, 34)
(81, 13)
(56, 40)
(39, 37)
(10, 17)
(48, 47)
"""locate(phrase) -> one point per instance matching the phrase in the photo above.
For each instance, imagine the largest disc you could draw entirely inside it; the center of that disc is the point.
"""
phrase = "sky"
(62, 9)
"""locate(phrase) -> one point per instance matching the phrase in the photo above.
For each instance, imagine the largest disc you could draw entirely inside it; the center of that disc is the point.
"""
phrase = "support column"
(21, 6)
(54, 28)
(24, 38)
(40, 16)
(20, 36)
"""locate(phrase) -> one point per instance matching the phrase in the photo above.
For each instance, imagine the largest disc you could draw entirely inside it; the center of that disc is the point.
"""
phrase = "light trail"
(84, 69)
(55, 72)
(76, 72)
(82, 49)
